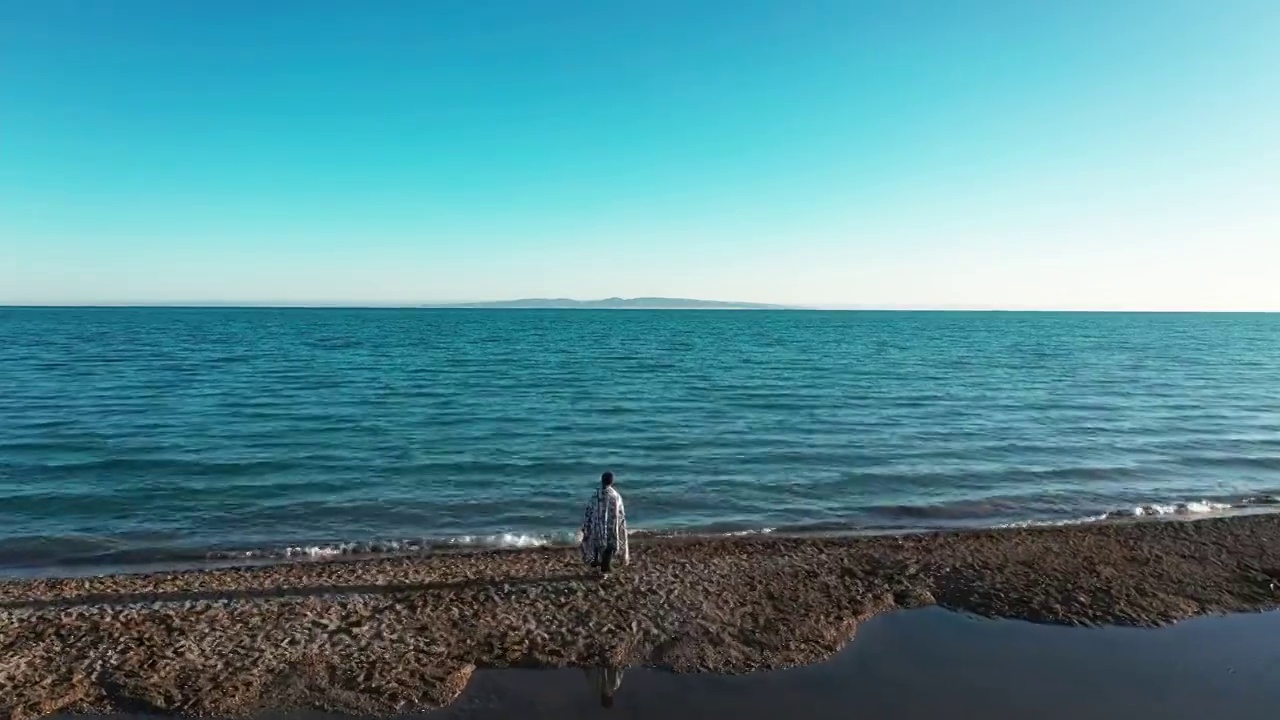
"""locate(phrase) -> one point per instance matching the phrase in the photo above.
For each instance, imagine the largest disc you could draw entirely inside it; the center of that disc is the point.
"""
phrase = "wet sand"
(395, 635)
(926, 663)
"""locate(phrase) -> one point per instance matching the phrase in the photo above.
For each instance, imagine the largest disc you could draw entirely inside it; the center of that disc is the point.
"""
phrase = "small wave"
(1261, 500)
(1153, 510)
(744, 533)
(1055, 523)
(703, 533)
(322, 551)
(1183, 508)
(497, 541)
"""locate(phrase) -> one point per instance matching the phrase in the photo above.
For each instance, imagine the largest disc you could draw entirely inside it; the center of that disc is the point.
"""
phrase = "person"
(604, 528)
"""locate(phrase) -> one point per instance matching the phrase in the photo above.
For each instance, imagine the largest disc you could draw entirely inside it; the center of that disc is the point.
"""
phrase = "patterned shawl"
(605, 523)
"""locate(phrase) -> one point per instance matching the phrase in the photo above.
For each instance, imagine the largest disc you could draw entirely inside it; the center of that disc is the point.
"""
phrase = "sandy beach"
(403, 634)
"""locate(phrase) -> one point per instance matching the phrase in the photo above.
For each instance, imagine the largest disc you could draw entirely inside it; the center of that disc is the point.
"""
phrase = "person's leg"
(606, 558)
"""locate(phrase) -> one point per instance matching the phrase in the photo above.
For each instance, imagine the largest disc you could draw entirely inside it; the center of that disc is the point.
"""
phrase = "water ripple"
(136, 433)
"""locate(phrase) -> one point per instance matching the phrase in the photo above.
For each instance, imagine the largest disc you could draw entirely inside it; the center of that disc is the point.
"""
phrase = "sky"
(1106, 154)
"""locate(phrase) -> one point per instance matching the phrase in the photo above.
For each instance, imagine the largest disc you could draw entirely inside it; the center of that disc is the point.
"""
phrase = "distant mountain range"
(644, 303)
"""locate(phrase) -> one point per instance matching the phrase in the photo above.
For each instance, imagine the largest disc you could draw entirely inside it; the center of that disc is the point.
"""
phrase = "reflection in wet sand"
(605, 682)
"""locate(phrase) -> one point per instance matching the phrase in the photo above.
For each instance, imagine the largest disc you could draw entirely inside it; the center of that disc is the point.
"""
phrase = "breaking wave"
(507, 540)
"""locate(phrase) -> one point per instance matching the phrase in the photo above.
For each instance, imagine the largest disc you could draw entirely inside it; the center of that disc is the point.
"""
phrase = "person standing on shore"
(604, 528)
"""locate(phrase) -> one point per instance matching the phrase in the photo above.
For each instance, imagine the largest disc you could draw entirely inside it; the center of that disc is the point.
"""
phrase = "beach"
(400, 634)
(760, 361)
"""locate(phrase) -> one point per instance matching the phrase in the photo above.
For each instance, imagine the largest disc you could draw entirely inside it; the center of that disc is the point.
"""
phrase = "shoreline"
(366, 551)
(377, 636)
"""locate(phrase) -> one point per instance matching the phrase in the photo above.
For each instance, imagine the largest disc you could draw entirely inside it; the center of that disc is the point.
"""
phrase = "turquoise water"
(168, 436)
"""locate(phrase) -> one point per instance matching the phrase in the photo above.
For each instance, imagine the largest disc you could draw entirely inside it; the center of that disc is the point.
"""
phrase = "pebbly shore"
(398, 634)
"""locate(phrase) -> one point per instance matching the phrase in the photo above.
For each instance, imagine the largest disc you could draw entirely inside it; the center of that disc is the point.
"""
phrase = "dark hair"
(606, 700)
(606, 479)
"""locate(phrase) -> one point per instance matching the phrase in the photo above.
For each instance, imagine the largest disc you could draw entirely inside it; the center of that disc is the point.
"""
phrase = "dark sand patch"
(394, 635)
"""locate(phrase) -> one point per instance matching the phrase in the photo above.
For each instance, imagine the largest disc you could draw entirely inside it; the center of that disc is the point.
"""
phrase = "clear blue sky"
(1091, 154)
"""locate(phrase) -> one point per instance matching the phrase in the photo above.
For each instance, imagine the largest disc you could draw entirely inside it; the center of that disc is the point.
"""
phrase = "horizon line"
(479, 306)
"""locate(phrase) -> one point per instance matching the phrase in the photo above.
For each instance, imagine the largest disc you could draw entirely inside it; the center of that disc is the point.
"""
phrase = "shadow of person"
(605, 681)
